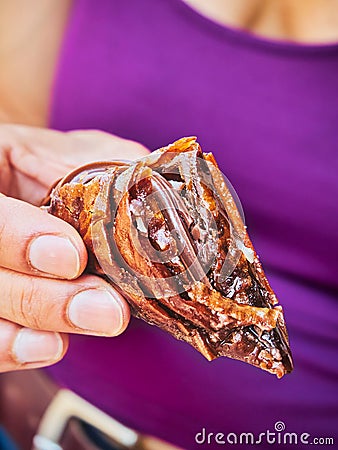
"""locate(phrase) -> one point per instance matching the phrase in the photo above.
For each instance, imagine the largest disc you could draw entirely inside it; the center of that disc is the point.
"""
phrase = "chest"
(269, 115)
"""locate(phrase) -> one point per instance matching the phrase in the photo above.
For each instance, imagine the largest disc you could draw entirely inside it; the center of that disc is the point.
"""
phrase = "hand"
(43, 294)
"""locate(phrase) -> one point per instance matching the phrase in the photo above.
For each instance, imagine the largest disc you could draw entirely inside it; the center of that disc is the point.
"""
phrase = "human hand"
(44, 295)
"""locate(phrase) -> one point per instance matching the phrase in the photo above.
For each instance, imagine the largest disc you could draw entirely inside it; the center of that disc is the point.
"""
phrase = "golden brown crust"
(162, 230)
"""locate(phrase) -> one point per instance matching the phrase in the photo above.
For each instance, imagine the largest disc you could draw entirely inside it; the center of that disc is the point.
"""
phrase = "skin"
(302, 21)
(31, 298)
(30, 38)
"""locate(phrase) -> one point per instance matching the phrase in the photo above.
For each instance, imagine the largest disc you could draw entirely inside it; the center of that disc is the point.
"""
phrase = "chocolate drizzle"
(165, 231)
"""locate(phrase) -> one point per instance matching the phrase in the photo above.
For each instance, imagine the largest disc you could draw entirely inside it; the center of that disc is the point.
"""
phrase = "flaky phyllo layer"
(166, 232)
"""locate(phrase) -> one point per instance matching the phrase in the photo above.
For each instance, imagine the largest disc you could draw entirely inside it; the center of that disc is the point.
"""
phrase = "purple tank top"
(154, 71)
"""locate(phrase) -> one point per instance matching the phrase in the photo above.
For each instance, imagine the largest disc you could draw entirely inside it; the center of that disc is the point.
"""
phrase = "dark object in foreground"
(166, 232)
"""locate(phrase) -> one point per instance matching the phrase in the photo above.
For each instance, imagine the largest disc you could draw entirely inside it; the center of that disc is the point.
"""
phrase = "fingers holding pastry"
(36, 243)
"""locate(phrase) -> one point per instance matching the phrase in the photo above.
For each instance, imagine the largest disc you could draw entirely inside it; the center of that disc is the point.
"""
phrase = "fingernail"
(96, 310)
(54, 255)
(31, 346)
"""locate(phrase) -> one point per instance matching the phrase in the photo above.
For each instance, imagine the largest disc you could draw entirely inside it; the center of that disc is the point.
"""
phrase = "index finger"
(34, 242)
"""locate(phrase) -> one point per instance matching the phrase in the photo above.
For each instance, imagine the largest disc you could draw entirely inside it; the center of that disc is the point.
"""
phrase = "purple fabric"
(153, 71)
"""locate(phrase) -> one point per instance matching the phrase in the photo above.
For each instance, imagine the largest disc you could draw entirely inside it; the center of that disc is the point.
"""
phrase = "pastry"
(166, 232)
